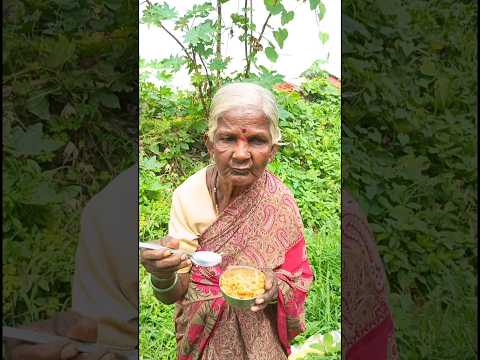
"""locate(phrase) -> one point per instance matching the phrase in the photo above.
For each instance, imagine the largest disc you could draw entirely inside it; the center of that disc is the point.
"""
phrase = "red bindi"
(244, 130)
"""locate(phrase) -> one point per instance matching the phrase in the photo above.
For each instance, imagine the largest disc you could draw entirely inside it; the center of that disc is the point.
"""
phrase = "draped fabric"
(367, 324)
(260, 228)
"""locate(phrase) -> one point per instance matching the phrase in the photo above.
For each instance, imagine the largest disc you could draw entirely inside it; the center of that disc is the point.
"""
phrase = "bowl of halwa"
(241, 285)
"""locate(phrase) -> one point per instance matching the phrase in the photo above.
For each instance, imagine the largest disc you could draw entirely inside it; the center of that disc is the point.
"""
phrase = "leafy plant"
(202, 28)
(409, 140)
(67, 127)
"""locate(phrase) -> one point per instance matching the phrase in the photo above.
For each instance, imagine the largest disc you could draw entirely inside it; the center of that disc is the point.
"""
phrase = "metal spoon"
(37, 337)
(200, 258)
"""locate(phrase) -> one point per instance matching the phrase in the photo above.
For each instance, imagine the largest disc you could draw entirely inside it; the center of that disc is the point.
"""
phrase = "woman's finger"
(38, 351)
(258, 307)
(172, 243)
(155, 254)
(166, 270)
(265, 297)
(69, 352)
(268, 282)
(169, 262)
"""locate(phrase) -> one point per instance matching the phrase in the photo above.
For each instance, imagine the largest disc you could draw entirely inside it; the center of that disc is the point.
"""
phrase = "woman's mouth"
(240, 171)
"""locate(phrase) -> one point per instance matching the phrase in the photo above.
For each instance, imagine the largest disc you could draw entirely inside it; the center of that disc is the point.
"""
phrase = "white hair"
(244, 95)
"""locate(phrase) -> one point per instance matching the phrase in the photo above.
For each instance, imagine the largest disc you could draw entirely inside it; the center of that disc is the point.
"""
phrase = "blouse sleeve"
(178, 228)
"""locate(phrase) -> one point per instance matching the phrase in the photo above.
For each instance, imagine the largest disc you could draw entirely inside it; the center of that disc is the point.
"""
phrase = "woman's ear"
(208, 143)
(274, 150)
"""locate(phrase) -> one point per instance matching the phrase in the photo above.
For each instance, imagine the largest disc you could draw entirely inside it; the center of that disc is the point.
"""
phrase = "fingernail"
(184, 257)
(259, 301)
(253, 308)
(69, 351)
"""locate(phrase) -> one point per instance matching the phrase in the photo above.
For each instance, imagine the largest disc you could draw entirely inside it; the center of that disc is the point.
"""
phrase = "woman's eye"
(257, 141)
(228, 138)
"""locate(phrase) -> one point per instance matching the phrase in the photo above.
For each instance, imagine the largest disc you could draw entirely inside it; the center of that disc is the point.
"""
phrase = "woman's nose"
(241, 151)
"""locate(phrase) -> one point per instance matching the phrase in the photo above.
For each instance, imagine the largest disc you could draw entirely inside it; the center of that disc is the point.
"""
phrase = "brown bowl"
(249, 274)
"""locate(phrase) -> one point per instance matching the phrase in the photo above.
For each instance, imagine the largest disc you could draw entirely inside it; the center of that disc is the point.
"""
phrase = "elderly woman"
(238, 208)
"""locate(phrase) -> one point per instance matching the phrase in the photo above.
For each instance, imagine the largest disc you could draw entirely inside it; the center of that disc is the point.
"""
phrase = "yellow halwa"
(243, 283)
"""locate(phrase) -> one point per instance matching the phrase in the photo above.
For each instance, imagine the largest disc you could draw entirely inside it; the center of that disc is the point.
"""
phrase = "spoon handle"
(43, 338)
(153, 246)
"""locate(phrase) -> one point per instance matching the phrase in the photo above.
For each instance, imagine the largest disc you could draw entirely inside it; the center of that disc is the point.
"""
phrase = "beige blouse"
(105, 283)
(192, 211)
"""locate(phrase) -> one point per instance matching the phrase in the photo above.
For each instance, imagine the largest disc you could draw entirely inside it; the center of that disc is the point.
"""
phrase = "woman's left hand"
(270, 294)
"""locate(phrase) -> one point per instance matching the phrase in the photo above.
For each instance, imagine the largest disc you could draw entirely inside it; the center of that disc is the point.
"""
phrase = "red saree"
(261, 228)
(367, 325)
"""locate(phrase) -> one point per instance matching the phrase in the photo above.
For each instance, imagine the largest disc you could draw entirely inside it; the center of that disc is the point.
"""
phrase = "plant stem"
(219, 40)
(178, 42)
(251, 30)
(209, 90)
(264, 27)
(253, 51)
(174, 37)
(245, 41)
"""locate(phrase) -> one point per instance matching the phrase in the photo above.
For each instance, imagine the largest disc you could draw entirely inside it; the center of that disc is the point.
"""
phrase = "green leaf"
(441, 87)
(283, 114)
(287, 16)
(44, 285)
(314, 4)
(203, 50)
(32, 141)
(321, 11)
(217, 65)
(239, 20)
(155, 14)
(274, 7)
(163, 75)
(271, 54)
(44, 193)
(150, 163)
(328, 340)
(323, 37)
(280, 35)
(173, 62)
(202, 32)
(202, 10)
(428, 68)
(109, 100)
(60, 52)
(38, 105)
(267, 78)
(403, 139)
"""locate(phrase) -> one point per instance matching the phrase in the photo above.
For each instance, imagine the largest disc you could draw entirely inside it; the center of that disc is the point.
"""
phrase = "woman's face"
(242, 145)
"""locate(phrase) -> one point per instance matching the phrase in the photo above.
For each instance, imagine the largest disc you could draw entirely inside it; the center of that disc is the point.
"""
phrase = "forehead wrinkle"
(225, 127)
(244, 121)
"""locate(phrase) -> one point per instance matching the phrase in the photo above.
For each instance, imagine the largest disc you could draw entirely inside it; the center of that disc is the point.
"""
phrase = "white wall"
(301, 48)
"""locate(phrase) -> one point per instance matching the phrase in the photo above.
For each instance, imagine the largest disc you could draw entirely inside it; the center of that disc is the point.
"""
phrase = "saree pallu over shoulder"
(368, 330)
(261, 228)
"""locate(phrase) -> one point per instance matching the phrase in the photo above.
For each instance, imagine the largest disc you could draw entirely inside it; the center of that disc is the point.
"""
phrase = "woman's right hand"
(162, 264)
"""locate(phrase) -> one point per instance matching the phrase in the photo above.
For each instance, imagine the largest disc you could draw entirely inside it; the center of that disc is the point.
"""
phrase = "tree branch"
(178, 42)
(245, 41)
(192, 59)
(253, 51)
(264, 27)
(206, 70)
(219, 39)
